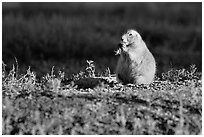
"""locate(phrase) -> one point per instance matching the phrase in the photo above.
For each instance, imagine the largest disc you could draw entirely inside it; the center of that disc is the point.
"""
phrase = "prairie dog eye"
(130, 34)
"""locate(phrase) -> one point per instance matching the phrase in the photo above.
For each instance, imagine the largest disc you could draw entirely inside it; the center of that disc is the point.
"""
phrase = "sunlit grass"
(99, 105)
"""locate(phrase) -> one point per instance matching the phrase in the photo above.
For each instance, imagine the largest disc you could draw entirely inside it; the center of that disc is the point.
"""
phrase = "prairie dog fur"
(136, 64)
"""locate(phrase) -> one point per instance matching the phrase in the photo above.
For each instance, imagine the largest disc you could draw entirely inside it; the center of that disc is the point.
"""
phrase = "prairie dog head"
(130, 37)
(129, 40)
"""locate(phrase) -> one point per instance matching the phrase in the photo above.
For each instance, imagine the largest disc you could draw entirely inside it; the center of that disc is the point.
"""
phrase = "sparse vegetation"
(49, 106)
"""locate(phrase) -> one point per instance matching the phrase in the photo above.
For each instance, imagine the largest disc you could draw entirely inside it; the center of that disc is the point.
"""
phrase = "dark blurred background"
(65, 35)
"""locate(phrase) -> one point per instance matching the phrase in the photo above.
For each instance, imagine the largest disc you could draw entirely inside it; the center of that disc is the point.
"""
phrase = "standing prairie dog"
(136, 64)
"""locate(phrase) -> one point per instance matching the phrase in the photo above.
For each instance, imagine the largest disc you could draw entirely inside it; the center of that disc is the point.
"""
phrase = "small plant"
(90, 69)
(88, 73)
(52, 81)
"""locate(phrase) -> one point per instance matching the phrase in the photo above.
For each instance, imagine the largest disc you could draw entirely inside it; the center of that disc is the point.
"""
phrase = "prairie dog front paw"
(124, 48)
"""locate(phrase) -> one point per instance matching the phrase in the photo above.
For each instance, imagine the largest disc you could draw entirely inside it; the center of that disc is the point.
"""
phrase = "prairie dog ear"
(138, 36)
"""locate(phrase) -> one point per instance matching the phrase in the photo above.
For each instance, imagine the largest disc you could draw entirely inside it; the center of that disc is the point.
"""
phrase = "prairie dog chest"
(133, 56)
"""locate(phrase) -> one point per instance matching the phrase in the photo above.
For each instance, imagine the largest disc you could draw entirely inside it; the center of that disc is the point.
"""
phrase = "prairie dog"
(136, 64)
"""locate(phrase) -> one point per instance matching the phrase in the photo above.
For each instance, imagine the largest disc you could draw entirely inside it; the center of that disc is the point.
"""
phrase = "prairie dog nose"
(123, 39)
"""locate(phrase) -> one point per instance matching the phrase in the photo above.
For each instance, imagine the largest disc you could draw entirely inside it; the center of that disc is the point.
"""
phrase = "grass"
(93, 103)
